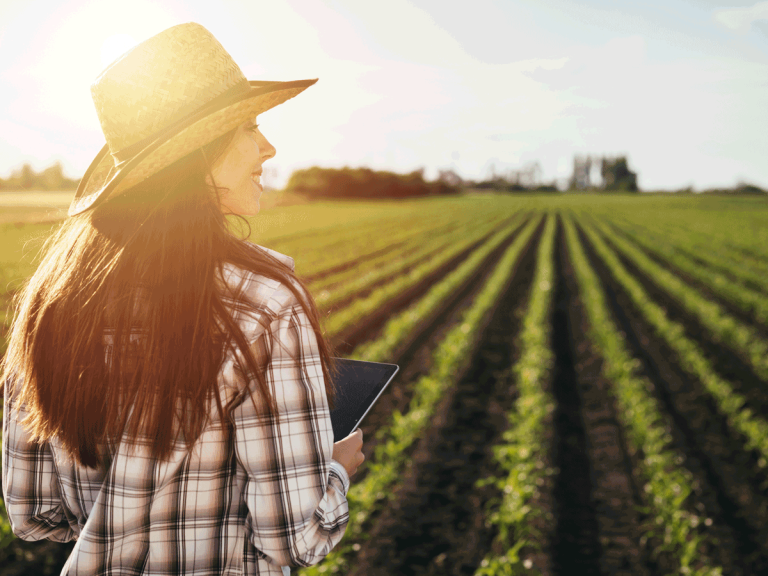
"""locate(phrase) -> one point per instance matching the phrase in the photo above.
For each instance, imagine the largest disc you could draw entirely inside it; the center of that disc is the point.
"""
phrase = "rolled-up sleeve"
(30, 485)
(297, 507)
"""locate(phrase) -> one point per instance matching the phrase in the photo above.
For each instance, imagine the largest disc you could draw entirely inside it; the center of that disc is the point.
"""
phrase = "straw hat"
(164, 99)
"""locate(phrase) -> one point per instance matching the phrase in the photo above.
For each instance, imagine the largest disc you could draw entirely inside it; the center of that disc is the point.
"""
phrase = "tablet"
(358, 385)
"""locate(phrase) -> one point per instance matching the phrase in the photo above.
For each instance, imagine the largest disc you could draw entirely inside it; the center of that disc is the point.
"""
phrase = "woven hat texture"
(162, 100)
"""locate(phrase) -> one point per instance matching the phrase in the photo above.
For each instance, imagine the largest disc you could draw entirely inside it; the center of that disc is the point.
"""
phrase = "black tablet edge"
(376, 397)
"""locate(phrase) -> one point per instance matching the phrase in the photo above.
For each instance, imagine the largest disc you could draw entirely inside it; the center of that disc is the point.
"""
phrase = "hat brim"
(104, 178)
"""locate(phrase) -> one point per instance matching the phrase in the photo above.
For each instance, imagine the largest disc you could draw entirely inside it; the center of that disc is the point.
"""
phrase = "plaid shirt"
(247, 499)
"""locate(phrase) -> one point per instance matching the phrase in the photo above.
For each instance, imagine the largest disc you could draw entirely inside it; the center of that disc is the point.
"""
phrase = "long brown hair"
(146, 263)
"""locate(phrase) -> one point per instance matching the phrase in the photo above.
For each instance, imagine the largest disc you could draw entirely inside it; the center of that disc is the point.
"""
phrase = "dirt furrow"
(727, 478)
(598, 528)
(436, 521)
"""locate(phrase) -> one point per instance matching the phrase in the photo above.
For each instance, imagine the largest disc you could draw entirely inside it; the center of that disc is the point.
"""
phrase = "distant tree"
(740, 188)
(525, 178)
(364, 183)
(617, 175)
(744, 188)
(26, 177)
(52, 178)
(449, 177)
(582, 167)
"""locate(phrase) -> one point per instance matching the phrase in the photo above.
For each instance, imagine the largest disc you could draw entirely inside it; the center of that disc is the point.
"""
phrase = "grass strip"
(742, 339)
(668, 486)
(691, 358)
(451, 358)
(359, 309)
(521, 453)
(397, 329)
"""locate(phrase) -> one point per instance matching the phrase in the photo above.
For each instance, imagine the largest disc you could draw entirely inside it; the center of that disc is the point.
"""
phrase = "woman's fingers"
(348, 452)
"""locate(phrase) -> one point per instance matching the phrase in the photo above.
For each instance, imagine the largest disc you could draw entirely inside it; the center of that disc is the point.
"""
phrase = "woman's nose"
(266, 149)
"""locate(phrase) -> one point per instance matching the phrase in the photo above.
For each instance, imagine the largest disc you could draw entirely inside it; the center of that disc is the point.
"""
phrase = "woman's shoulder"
(256, 299)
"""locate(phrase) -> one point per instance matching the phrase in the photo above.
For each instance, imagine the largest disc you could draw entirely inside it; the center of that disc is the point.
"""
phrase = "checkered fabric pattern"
(247, 499)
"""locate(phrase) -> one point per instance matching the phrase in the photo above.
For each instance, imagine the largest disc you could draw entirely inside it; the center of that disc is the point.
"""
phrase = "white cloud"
(740, 19)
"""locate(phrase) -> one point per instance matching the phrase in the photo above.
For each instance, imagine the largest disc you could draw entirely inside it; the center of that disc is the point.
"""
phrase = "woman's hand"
(349, 452)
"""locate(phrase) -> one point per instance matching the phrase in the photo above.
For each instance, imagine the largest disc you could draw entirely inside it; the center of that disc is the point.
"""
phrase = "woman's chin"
(248, 208)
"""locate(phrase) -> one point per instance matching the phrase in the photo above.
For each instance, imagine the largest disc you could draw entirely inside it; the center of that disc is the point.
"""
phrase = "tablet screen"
(358, 385)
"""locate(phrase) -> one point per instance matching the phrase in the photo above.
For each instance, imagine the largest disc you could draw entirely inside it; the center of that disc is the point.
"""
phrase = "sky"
(678, 86)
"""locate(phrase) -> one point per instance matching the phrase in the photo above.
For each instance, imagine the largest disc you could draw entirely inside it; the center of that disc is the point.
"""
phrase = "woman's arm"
(30, 483)
(296, 499)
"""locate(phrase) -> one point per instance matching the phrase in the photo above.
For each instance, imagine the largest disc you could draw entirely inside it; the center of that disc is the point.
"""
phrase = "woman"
(167, 384)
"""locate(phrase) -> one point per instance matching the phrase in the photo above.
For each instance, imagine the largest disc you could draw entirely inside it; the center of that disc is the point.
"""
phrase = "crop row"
(748, 301)
(753, 427)
(331, 233)
(720, 253)
(744, 340)
(521, 454)
(668, 486)
(362, 307)
(399, 328)
(738, 227)
(719, 262)
(349, 270)
(328, 224)
(433, 248)
(342, 248)
(451, 357)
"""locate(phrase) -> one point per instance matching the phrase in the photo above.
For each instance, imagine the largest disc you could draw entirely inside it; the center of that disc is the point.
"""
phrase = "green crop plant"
(744, 340)
(753, 427)
(367, 277)
(746, 300)
(668, 486)
(359, 309)
(399, 327)
(521, 454)
(451, 358)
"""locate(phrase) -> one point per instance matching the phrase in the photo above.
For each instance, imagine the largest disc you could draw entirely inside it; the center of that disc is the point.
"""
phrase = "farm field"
(583, 385)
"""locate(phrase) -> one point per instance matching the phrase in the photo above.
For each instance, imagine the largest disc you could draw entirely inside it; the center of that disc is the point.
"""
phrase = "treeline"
(615, 174)
(525, 179)
(365, 183)
(26, 178)
(741, 188)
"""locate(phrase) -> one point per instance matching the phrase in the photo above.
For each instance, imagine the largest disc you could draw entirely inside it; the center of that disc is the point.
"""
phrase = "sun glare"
(115, 46)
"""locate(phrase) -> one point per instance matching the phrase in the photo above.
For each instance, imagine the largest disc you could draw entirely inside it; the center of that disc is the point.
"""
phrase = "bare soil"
(599, 528)
(729, 487)
(435, 523)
